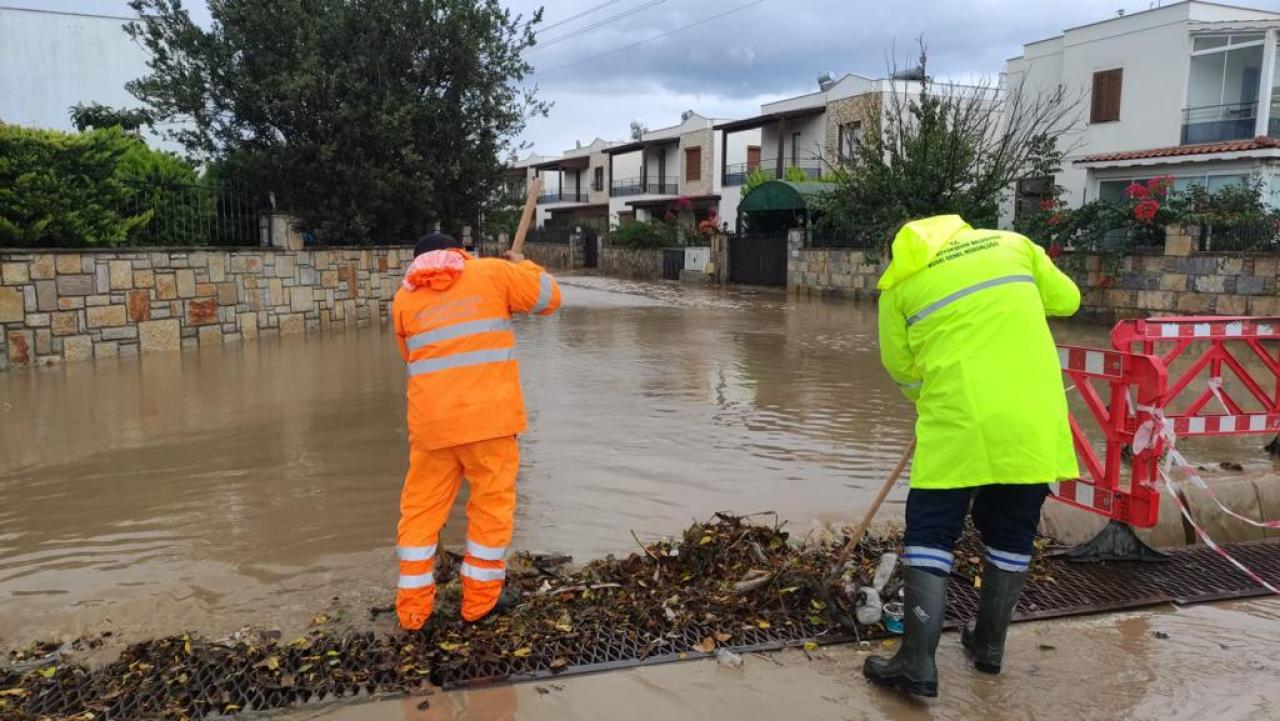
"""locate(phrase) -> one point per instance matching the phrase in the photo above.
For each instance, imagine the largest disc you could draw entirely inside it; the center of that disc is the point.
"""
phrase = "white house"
(50, 61)
(1188, 90)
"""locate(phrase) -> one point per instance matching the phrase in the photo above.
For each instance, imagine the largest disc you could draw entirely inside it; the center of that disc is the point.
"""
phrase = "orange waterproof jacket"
(452, 318)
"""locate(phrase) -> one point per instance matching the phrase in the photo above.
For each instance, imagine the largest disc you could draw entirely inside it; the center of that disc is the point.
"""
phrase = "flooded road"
(258, 484)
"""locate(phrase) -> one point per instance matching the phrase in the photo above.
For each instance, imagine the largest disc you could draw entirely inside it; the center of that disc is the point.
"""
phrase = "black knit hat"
(435, 241)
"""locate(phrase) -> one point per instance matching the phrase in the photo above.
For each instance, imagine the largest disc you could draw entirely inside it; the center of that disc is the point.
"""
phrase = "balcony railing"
(562, 197)
(736, 173)
(623, 187)
(1218, 123)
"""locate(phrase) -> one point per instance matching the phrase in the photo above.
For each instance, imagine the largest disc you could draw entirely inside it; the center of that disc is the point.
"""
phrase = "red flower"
(1055, 250)
(1055, 219)
(1146, 210)
(1159, 186)
(1136, 191)
(1048, 204)
(683, 203)
(1107, 281)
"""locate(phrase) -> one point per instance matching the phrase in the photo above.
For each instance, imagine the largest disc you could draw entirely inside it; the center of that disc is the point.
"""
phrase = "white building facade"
(1188, 90)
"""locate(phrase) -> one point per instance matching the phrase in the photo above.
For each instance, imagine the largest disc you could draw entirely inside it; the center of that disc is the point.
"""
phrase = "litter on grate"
(681, 598)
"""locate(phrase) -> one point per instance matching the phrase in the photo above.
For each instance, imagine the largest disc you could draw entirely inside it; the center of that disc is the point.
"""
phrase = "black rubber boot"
(507, 600)
(912, 668)
(984, 641)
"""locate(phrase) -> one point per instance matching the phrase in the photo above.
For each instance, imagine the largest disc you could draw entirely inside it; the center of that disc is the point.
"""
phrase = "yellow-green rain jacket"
(963, 333)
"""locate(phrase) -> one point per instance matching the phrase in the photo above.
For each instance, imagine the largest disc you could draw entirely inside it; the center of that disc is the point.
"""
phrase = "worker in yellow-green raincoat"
(964, 334)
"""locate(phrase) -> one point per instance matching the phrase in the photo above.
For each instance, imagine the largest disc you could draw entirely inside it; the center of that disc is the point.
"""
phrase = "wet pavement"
(258, 484)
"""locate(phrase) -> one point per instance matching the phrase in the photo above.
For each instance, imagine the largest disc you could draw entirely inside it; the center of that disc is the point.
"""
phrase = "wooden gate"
(758, 259)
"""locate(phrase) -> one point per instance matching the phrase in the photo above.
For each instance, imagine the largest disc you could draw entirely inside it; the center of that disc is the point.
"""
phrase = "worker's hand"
(514, 256)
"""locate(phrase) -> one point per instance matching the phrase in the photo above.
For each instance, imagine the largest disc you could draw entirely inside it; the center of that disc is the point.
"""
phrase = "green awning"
(783, 195)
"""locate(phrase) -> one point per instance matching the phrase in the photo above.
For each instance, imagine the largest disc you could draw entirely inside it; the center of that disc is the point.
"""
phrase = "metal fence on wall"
(196, 214)
(1259, 236)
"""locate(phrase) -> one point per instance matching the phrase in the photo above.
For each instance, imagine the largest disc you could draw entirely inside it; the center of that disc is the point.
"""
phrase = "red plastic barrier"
(1223, 343)
(1119, 390)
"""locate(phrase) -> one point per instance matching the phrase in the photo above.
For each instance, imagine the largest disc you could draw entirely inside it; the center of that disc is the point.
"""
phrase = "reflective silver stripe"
(544, 294)
(475, 573)
(994, 282)
(416, 553)
(926, 557)
(917, 384)
(421, 580)
(488, 325)
(485, 553)
(1005, 561)
(458, 360)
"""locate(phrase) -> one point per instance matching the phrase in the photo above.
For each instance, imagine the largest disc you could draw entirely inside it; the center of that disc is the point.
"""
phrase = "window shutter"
(692, 164)
(1105, 102)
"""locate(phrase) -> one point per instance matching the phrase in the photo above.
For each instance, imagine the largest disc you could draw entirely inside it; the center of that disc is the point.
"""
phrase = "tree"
(368, 121)
(945, 149)
(88, 116)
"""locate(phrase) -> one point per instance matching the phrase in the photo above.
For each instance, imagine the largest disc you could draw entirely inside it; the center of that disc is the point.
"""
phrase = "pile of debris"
(724, 584)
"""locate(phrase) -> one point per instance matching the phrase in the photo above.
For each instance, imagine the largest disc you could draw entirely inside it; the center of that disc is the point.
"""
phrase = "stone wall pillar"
(281, 231)
(718, 269)
(795, 244)
(1179, 240)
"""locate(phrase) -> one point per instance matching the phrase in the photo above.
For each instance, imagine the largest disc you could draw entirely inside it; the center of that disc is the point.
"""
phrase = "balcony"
(1218, 123)
(562, 197)
(624, 187)
(736, 174)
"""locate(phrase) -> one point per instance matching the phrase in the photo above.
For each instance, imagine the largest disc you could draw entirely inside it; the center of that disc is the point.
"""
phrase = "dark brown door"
(753, 157)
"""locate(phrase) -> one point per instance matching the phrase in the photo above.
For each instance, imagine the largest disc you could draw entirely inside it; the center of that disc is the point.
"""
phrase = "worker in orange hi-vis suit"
(453, 323)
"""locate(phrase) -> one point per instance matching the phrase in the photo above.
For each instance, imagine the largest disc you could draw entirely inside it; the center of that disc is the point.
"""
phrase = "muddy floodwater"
(258, 484)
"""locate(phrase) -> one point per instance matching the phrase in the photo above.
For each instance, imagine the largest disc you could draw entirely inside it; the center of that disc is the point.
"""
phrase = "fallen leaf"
(706, 645)
(522, 652)
(560, 662)
(723, 637)
(705, 540)
(186, 645)
(319, 619)
(810, 646)
(273, 663)
(15, 692)
(763, 624)
(449, 647)
(48, 671)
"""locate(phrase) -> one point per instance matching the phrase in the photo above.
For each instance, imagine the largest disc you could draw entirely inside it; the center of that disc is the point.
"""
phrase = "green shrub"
(100, 187)
(643, 234)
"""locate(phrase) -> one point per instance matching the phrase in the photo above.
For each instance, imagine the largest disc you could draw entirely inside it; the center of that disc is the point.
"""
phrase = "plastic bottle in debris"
(884, 571)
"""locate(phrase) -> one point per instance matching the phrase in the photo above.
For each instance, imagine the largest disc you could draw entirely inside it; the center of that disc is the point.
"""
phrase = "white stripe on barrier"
(1168, 330)
(1201, 329)
(1257, 423)
(1234, 329)
(1064, 358)
(1095, 362)
(1084, 494)
(1195, 425)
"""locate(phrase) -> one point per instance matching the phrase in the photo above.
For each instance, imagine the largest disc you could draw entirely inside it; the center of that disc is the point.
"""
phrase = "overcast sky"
(758, 50)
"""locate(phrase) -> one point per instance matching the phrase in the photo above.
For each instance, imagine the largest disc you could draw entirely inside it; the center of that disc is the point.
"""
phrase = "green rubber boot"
(984, 640)
(912, 668)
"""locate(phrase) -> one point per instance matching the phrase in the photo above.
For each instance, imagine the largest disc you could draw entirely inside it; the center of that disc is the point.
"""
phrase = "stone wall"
(635, 263)
(82, 304)
(859, 107)
(1170, 281)
(547, 255)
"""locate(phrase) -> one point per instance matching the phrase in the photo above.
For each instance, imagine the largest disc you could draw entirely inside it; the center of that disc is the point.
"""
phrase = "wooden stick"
(526, 216)
(861, 530)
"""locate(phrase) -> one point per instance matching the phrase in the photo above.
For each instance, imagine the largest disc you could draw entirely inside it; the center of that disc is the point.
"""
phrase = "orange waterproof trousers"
(429, 490)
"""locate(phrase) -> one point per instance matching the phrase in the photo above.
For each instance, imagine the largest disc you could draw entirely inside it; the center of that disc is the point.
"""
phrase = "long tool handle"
(526, 216)
(861, 530)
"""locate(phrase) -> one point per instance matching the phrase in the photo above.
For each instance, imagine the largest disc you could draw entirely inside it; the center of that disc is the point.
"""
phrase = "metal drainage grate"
(223, 680)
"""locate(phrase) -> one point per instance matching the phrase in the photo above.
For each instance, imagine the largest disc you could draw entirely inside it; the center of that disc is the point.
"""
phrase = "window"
(795, 148)
(850, 139)
(1105, 107)
(597, 180)
(1113, 190)
(692, 164)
